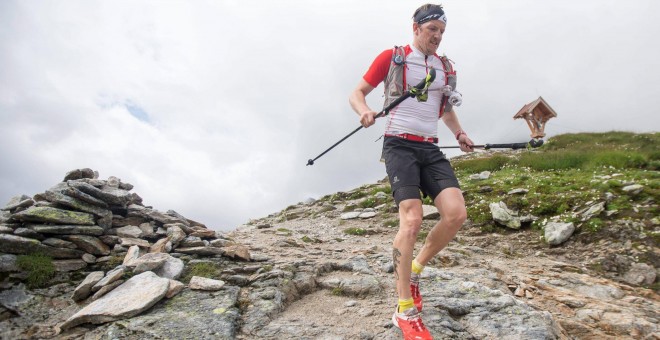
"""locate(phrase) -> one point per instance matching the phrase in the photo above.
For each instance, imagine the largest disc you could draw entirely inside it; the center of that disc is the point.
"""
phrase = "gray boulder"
(557, 233)
(18, 202)
(74, 203)
(640, 274)
(176, 235)
(130, 241)
(480, 176)
(80, 173)
(106, 289)
(503, 215)
(175, 288)
(91, 230)
(85, 287)
(109, 278)
(160, 217)
(130, 231)
(171, 269)
(430, 212)
(237, 251)
(147, 230)
(350, 215)
(202, 251)
(58, 243)
(54, 215)
(8, 263)
(161, 246)
(13, 244)
(75, 193)
(90, 244)
(69, 265)
(149, 262)
(203, 283)
(633, 189)
(518, 191)
(25, 232)
(110, 195)
(131, 256)
(133, 297)
(192, 241)
(593, 210)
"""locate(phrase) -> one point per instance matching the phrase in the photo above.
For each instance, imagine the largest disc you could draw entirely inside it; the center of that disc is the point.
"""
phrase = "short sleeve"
(379, 68)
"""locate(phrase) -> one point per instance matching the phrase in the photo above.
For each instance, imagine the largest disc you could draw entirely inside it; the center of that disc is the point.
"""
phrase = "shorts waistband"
(414, 138)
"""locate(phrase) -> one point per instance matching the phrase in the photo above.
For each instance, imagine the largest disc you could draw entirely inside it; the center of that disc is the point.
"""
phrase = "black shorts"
(414, 166)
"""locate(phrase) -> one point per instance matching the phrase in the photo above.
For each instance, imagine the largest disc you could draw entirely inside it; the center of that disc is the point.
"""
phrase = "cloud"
(213, 108)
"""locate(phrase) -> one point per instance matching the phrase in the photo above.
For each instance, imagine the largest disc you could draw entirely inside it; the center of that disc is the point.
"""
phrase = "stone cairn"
(83, 221)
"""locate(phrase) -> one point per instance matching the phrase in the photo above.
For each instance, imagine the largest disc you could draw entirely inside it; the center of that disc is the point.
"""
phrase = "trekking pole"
(534, 143)
(416, 91)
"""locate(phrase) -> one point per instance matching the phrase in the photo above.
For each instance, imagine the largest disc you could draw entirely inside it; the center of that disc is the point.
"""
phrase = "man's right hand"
(367, 118)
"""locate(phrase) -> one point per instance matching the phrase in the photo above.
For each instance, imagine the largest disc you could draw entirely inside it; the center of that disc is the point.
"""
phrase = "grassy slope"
(567, 174)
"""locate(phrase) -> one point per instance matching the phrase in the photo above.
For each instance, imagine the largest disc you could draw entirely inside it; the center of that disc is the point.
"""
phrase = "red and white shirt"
(411, 116)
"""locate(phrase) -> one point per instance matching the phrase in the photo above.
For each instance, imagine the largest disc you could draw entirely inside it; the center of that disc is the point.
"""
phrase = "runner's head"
(429, 23)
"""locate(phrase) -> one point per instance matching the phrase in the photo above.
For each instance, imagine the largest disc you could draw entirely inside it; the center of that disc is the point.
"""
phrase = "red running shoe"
(414, 291)
(411, 325)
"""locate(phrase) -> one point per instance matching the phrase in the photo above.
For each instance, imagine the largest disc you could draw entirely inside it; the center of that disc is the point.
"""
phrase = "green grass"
(369, 202)
(564, 174)
(392, 223)
(356, 195)
(594, 224)
(202, 269)
(588, 151)
(493, 163)
(355, 231)
(338, 291)
(284, 230)
(427, 200)
(308, 239)
(421, 236)
(39, 267)
(386, 189)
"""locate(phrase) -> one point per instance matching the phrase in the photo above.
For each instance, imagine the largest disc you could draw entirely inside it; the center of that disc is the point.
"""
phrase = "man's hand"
(367, 118)
(465, 143)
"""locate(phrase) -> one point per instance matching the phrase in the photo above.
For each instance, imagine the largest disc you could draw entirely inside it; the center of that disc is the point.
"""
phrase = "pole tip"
(310, 162)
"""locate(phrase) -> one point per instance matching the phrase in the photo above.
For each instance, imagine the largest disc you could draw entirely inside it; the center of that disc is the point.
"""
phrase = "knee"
(410, 225)
(456, 217)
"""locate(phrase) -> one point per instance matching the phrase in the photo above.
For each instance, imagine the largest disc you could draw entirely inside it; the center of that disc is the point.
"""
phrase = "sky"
(212, 108)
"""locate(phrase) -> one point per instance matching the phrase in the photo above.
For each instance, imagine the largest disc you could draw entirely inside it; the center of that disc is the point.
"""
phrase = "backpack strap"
(396, 76)
(450, 79)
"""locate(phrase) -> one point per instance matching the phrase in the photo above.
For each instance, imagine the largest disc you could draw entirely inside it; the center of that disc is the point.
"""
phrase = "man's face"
(428, 36)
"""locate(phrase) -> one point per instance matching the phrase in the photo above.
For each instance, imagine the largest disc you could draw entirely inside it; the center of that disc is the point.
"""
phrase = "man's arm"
(358, 102)
(451, 120)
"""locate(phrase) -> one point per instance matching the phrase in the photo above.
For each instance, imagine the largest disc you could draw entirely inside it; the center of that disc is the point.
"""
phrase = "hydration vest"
(396, 79)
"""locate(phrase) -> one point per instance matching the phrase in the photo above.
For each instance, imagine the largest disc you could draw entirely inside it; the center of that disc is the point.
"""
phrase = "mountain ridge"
(322, 268)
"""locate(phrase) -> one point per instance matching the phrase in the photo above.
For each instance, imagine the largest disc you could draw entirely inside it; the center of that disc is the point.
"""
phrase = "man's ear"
(415, 27)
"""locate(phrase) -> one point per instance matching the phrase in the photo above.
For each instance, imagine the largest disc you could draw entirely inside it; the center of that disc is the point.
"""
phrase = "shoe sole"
(395, 322)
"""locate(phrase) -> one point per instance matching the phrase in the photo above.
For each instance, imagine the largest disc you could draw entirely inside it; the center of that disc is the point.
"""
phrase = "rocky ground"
(321, 270)
(483, 285)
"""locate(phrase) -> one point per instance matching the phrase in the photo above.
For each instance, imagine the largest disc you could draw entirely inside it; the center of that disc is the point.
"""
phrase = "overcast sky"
(212, 108)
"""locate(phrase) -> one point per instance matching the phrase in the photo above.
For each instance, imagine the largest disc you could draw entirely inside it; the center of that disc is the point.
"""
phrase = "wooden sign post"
(536, 114)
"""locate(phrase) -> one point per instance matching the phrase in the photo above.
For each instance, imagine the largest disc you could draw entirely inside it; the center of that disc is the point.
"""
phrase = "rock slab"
(131, 298)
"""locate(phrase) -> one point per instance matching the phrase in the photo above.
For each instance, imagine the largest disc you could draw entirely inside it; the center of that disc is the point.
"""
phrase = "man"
(413, 161)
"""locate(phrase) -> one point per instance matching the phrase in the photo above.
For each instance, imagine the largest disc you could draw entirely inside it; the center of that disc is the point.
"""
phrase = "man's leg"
(451, 205)
(410, 222)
